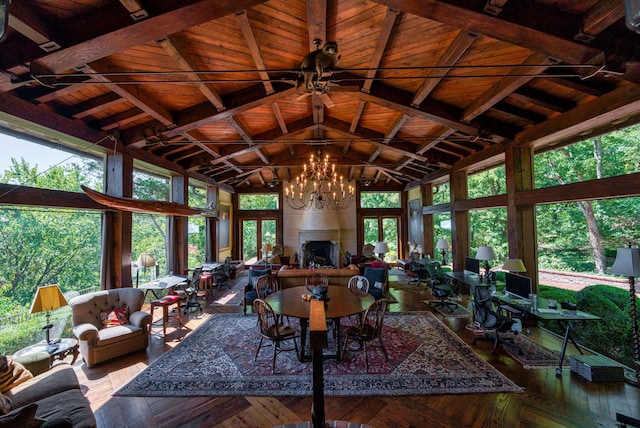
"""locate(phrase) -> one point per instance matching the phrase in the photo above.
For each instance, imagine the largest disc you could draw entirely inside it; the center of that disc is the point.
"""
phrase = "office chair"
(491, 323)
(441, 286)
(422, 275)
(188, 291)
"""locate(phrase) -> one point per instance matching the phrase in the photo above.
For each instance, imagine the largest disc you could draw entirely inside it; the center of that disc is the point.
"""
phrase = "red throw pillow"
(118, 316)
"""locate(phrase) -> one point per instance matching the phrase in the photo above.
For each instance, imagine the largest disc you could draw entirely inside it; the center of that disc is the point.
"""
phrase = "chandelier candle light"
(319, 186)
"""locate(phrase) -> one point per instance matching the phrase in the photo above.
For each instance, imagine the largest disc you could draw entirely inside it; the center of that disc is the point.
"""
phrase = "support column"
(177, 247)
(459, 220)
(211, 232)
(426, 192)
(117, 231)
(521, 219)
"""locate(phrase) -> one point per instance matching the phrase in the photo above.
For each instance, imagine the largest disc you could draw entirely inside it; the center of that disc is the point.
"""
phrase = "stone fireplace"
(319, 238)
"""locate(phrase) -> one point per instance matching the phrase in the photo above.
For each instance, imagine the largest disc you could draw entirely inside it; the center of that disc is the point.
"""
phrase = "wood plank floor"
(547, 401)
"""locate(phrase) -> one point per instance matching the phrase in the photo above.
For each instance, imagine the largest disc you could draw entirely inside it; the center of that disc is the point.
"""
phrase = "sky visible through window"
(34, 154)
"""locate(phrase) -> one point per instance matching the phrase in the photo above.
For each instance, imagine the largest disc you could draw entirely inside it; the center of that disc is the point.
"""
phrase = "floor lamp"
(628, 264)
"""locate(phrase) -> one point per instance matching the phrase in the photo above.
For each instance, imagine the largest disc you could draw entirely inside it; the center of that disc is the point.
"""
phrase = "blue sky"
(44, 157)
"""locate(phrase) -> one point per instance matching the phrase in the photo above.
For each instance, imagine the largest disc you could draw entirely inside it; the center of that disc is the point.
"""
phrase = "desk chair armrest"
(140, 319)
(86, 332)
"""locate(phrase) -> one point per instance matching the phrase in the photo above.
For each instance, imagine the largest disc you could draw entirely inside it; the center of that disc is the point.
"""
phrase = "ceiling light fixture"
(318, 186)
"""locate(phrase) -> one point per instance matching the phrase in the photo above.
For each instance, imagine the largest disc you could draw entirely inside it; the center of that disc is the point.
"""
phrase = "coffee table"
(342, 302)
(65, 348)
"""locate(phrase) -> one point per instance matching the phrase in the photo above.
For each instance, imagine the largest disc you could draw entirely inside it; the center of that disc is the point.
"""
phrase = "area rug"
(459, 311)
(534, 356)
(217, 359)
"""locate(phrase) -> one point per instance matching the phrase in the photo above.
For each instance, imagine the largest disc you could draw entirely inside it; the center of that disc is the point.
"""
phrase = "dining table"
(340, 302)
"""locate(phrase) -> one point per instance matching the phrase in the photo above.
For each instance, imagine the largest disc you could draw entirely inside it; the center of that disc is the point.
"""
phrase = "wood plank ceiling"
(206, 87)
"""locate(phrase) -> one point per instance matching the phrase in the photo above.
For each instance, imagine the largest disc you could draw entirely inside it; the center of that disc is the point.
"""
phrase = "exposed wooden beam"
(511, 32)
(507, 85)
(598, 18)
(32, 26)
(169, 18)
(459, 46)
(179, 57)
(383, 39)
(119, 120)
(93, 105)
(250, 38)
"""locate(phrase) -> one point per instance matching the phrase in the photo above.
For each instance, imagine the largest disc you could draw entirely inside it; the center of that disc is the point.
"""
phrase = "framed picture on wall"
(225, 226)
(415, 221)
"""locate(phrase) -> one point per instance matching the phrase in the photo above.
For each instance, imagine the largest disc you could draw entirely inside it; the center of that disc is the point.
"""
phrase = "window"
(258, 201)
(380, 200)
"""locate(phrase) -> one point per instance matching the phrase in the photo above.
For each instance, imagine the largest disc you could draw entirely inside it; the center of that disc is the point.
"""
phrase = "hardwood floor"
(547, 400)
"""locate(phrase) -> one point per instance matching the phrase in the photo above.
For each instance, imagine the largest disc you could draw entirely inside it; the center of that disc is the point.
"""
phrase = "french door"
(382, 228)
(256, 233)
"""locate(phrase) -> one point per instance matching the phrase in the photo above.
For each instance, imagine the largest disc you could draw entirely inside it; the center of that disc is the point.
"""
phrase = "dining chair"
(315, 279)
(272, 330)
(358, 282)
(369, 329)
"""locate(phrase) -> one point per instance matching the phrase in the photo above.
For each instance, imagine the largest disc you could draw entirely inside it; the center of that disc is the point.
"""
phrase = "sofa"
(53, 399)
(110, 323)
(289, 277)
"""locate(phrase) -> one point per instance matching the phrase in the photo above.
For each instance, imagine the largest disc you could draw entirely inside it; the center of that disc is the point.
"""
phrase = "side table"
(65, 348)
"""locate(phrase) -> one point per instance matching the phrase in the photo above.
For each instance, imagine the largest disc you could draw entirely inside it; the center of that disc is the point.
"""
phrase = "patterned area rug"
(217, 359)
(459, 311)
(534, 356)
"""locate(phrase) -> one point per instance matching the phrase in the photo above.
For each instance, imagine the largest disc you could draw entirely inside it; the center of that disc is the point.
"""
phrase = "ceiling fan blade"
(326, 99)
(302, 96)
(337, 88)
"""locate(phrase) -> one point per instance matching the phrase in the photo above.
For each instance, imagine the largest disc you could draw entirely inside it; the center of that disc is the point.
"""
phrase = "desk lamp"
(443, 246)
(47, 299)
(627, 263)
(485, 253)
(144, 261)
(514, 265)
(381, 248)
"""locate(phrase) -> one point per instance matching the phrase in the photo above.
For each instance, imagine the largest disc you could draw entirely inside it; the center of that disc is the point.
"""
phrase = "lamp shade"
(442, 244)
(627, 262)
(48, 298)
(146, 260)
(266, 248)
(381, 248)
(485, 253)
(514, 265)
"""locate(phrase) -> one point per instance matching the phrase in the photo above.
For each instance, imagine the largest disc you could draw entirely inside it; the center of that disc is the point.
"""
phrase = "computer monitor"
(518, 285)
(471, 265)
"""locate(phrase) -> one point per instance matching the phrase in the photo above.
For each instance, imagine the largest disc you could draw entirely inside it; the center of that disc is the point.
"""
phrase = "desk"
(162, 283)
(472, 280)
(342, 302)
(210, 266)
(564, 318)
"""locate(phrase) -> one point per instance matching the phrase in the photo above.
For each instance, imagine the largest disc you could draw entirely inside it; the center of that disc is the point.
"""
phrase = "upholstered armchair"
(110, 323)
(378, 281)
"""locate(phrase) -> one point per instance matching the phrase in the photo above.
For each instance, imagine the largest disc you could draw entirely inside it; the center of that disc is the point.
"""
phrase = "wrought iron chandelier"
(318, 186)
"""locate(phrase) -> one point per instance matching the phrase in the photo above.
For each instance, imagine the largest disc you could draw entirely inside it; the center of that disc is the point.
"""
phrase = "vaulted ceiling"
(206, 88)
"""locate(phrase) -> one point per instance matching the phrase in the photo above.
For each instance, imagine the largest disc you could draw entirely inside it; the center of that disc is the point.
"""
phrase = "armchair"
(378, 281)
(129, 334)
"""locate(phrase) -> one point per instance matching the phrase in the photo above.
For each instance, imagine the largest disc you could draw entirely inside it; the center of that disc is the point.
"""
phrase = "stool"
(165, 303)
(206, 283)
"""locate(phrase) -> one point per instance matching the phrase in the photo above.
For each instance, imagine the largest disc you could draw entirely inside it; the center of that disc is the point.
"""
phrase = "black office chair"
(188, 291)
(417, 268)
(490, 323)
(441, 286)
(222, 275)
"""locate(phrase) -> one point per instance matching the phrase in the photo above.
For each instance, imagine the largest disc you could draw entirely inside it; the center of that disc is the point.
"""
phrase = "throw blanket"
(12, 374)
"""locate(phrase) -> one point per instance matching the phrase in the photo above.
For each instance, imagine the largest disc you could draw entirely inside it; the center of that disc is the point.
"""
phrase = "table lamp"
(514, 265)
(47, 299)
(381, 248)
(144, 261)
(443, 246)
(485, 253)
(627, 263)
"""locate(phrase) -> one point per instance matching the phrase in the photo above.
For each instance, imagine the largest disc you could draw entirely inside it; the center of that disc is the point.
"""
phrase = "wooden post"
(318, 341)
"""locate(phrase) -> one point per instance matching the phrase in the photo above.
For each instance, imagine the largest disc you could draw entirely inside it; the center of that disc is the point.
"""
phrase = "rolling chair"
(441, 286)
(188, 291)
(491, 324)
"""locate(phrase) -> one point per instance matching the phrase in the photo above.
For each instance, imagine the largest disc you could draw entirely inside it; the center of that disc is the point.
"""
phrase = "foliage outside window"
(487, 183)
(258, 201)
(441, 194)
(380, 200)
(489, 227)
(196, 226)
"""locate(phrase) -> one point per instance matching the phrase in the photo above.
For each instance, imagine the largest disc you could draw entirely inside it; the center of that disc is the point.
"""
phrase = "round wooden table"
(342, 302)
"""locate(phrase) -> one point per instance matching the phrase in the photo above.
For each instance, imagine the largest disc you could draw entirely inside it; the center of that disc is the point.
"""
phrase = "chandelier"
(318, 186)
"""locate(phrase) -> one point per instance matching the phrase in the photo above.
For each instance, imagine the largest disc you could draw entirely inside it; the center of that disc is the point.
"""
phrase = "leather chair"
(99, 343)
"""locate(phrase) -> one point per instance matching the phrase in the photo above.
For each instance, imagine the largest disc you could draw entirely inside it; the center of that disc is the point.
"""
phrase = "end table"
(65, 348)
